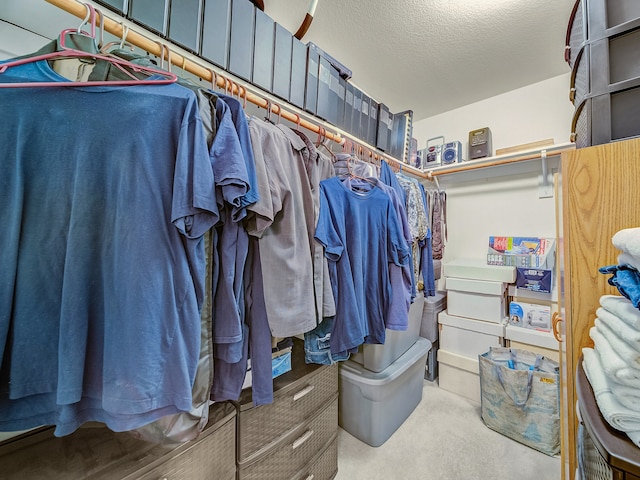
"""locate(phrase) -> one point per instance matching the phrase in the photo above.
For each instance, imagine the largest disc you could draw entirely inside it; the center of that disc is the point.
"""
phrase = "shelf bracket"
(545, 180)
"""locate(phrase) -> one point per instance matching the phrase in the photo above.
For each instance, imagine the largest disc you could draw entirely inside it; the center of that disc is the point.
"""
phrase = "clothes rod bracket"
(545, 180)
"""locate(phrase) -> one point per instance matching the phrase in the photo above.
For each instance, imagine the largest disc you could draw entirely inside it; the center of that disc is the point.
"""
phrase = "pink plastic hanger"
(66, 52)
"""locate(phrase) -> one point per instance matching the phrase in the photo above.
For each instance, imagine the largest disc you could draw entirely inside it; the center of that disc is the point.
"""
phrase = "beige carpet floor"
(444, 438)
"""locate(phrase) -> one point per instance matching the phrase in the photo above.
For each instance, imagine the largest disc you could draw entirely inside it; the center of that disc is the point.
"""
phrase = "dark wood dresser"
(99, 453)
(295, 437)
(604, 453)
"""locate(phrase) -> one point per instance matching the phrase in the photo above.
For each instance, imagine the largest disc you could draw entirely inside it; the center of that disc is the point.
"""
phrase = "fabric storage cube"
(477, 299)
(433, 305)
(374, 405)
(459, 374)
(468, 337)
(477, 269)
(543, 343)
(376, 357)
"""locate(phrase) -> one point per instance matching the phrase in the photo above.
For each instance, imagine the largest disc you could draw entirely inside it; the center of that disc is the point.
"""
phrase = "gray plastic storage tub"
(372, 406)
(437, 269)
(433, 305)
(378, 357)
(431, 368)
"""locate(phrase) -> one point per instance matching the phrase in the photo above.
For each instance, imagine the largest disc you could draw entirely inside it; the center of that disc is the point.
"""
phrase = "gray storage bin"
(606, 118)
(433, 305)
(372, 406)
(378, 357)
(437, 269)
(608, 17)
(431, 368)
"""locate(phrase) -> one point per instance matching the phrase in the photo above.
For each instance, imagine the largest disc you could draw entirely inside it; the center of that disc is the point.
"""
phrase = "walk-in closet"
(250, 240)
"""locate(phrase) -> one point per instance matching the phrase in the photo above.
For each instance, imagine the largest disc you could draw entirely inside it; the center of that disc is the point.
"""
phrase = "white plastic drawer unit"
(476, 299)
(468, 337)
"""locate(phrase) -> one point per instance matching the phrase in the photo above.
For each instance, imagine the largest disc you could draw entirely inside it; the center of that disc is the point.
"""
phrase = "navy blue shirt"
(362, 235)
(105, 194)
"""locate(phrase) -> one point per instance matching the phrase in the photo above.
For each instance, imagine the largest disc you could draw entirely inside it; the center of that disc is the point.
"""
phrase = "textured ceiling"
(432, 56)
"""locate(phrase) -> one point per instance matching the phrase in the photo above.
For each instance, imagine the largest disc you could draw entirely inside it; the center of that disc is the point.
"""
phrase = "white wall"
(497, 201)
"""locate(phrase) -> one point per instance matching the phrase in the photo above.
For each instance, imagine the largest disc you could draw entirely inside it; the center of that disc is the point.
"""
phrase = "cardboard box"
(530, 315)
(535, 279)
(521, 251)
(478, 269)
(467, 337)
(459, 374)
(477, 299)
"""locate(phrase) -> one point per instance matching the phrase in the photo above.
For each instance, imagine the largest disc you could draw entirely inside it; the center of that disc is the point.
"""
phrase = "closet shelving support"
(500, 160)
(206, 71)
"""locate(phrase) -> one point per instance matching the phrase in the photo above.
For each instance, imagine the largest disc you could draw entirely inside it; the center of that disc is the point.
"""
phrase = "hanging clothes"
(361, 235)
(82, 211)
(400, 278)
(318, 168)
(279, 221)
(418, 221)
(426, 255)
(438, 201)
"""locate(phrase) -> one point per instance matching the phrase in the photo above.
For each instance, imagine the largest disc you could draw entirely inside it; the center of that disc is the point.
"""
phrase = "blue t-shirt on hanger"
(106, 194)
(362, 235)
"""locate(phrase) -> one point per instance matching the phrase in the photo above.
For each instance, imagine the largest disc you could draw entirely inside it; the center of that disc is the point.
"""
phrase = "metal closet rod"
(79, 10)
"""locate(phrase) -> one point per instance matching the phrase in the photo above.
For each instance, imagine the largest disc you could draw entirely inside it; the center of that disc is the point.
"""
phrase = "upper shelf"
(500, 160)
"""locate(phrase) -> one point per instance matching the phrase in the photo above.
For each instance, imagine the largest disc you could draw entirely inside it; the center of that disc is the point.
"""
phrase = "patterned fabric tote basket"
(520, 397)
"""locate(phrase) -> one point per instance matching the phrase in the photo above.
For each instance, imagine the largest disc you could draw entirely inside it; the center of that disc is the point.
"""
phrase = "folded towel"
(613, 365)
(622, 308)
(625, 351)
(627, 396)
(618, 416)
(634, 437)
(622, 330)
(626, 259)
(628, 241)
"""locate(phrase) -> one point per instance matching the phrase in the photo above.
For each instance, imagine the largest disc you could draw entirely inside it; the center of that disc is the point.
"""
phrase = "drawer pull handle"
(303, 392)
(306, 436)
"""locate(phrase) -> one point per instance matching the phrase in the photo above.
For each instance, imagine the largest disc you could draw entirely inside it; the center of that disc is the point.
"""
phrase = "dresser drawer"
(209, 457)
(325, 467)
(99, 453)
(297, 399)
(297, 449)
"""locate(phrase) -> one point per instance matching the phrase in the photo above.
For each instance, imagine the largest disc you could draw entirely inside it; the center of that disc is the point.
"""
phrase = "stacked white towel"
(622, 308)
(628, 241)
(613, 365)
(617, 415)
